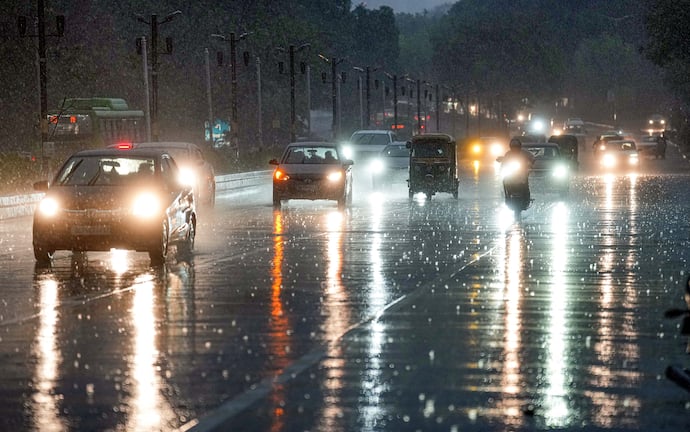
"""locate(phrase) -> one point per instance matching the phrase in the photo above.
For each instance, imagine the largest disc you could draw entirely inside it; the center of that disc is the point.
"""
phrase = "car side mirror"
(499, 159)
(348, 162)
(41, 186)
(273, 162)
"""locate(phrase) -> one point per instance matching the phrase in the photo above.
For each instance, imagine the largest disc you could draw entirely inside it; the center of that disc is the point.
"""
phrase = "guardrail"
(23, 205)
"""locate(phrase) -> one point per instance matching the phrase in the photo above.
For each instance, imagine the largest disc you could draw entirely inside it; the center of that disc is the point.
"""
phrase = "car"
(313, 171)
(193, 166)
(569, 147)
(656, 124)
(391, 166)
(619, 155)
(550, 164)
(367, 144)
(484, 148)
(111, 198)
(599, 143)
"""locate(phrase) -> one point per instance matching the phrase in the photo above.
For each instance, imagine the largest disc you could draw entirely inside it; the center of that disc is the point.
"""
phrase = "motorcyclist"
(526, 159)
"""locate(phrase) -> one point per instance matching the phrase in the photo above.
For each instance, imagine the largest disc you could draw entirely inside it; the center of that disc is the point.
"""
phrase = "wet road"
(444, 315)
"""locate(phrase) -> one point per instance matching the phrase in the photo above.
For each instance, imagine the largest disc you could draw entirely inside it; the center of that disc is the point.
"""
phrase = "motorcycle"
(676, 373)
(515, 185)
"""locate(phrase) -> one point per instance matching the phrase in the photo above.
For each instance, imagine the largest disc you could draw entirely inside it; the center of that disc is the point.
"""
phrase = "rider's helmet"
(515, 144)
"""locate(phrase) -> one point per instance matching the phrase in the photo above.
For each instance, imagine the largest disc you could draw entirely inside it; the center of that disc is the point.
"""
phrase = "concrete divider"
(23, 205)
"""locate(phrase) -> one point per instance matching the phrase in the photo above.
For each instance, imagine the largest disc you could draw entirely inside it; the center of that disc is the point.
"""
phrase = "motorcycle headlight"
(496, 149)
(146, 205)
(48, 207)
(335, 176)
(510, 168)
(477, 149)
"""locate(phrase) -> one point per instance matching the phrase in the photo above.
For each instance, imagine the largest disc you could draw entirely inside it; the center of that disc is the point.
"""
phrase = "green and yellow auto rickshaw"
(433, 165)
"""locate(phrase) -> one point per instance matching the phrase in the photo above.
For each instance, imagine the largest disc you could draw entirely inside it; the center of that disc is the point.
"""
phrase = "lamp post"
(234, 123)
(361, 105)
(333, 61)
(154, 23)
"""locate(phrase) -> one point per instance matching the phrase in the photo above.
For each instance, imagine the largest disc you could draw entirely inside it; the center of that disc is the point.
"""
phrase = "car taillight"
(124, 146)
(280, 175)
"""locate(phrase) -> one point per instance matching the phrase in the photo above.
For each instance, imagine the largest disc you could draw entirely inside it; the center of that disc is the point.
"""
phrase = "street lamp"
(334, 62)
(154, 23)
(234, 124)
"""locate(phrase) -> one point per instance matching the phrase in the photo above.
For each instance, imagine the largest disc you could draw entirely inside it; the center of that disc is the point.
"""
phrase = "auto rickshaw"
(433, 165)
(569, 148)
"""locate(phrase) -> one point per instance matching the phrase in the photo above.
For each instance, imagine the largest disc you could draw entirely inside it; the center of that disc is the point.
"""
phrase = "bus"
(94, 123)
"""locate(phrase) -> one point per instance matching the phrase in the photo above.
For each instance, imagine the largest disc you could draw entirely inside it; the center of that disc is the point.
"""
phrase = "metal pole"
(309, 100)
(147, 107)
(293, 132)
(395, 102)
(419, 109)
(42, 73)
(334, 97)
(154, 77)
(258, 95)
(438, 111)
(368, 112)
(340, 110)
(361, 103)
(209, 93)
(233, 91)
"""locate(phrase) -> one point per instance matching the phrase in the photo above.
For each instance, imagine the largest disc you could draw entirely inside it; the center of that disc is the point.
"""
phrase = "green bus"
(95, 122)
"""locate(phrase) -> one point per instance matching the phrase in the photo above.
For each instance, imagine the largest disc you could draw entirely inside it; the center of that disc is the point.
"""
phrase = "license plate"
(90, 230)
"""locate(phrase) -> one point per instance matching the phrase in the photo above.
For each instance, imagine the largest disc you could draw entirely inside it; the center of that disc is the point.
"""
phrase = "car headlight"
(335, 176)
(496, 149)
(560, 171)
(187, 176)
(348, 152)
(48, 207)
(608, 160)
(376, 166)
(146, 205)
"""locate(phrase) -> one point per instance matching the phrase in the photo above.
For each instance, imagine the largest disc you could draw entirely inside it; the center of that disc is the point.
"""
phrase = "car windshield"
(543, 152)
(370, 139)
(429, 150)
(311, 155)
(104, 171)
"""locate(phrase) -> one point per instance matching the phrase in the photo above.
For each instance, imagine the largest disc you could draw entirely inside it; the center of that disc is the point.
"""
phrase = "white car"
(365, 144)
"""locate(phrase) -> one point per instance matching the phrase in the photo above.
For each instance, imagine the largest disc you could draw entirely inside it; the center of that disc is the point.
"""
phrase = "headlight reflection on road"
(45, 404)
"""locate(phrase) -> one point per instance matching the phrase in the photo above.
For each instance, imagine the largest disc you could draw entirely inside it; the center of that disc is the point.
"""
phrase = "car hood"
(95, 197)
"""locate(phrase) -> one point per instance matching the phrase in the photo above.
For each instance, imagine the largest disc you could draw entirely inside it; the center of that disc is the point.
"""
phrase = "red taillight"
(124, 146)
(73, 119)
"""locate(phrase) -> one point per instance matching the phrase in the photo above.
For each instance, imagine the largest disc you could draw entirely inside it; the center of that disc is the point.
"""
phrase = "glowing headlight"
(146, 205)
(187, 177)
(510, 168)
(348, 152)
(335, 176)
(376, 166)
(477, 148)
(48, 207)
(496, 149)
(608, 160)
(560, 171)
(633, 160)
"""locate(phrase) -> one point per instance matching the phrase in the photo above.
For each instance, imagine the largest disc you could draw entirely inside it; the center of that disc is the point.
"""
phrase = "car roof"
(168, 144)
(372, 131)
(136, 152)
(312, 144)
(540, 145)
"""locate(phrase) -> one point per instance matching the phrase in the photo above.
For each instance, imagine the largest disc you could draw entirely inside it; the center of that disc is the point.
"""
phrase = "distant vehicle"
(194, 168)
(110, 198)
(550, 163)
(532, 138)
(391, 166)
(484, 148)
(365, 144)
(619, 155)
(599, 143)
(656, 124)
(574, 126)
(573, 121)
(81, 123)
(312, 171)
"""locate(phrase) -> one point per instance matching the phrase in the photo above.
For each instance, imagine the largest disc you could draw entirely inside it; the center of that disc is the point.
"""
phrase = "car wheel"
(43, 256)
(160, 250)
(212, 197)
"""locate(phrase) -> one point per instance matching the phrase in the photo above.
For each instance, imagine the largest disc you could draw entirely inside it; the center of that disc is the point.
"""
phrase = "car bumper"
(315, 190)
(96, 234)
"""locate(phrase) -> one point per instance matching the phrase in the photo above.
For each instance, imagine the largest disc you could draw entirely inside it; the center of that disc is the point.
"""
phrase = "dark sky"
(409, 6)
